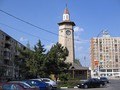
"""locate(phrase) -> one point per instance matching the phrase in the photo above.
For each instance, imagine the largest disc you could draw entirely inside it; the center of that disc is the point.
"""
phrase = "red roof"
(66, 11)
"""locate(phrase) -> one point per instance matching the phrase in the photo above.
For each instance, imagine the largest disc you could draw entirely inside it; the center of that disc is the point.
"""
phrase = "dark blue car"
(104, 79)
(91, 83)
(40, 84)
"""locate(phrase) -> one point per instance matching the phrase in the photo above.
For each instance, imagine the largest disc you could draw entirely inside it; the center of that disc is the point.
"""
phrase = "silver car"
(52, 83)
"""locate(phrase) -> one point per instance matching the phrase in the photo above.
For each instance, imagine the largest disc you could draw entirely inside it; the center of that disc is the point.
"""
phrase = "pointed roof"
(66, 10)
(66, 21)
(78, 67)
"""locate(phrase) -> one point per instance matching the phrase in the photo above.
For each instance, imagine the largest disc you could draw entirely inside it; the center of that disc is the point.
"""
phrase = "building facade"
(8, 56)
(66, 35)
(105, 56)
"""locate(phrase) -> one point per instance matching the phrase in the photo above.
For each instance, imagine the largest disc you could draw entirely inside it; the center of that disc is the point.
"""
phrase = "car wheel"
(85, 86)
(105, 82)
(51, 87)
(101, 85)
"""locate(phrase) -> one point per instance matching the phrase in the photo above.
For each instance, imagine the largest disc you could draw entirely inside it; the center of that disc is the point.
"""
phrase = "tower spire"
(66, 15)
(66, 4)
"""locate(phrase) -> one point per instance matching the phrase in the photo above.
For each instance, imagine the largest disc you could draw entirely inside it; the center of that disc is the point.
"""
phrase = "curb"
(75, 87)
(64, 87)
(67, 87)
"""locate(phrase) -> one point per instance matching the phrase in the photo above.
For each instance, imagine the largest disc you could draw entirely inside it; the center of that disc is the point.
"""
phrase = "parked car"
(15, 86)
(21, 82)
(52, 83)
(91, 83)
(104, 79)
(40, 84)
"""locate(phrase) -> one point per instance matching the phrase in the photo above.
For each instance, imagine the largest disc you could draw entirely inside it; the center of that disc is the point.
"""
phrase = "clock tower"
(66, 35)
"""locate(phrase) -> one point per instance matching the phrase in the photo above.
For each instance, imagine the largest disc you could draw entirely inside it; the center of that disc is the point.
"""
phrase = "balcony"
(7, 42)
(7, 49)
(6, 55)
(17, 53)
(6, 58)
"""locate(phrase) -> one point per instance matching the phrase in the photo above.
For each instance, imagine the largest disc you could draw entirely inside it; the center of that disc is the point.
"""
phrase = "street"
(113, 85)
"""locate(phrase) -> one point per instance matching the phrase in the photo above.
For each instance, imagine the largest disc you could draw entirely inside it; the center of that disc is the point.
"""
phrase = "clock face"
(68, 32)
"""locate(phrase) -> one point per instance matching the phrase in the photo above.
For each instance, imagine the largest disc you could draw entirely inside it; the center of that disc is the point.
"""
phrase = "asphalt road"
(113, 85)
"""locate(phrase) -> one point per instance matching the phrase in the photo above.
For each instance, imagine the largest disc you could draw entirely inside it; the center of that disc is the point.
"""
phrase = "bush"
(69, 83)
(64, 77)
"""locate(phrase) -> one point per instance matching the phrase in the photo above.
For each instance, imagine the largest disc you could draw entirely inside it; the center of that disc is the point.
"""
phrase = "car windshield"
(45, 80)
(103, 78)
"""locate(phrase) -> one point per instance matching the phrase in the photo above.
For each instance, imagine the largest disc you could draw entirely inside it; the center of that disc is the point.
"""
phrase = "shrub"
(69, 83)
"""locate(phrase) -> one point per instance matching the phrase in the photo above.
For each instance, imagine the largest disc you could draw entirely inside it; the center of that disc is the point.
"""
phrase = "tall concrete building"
(105, 56)
(8, 56)
(66, 35)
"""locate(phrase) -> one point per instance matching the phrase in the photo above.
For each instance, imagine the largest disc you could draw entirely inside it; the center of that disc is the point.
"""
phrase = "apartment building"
(105, 56)
(8, 55)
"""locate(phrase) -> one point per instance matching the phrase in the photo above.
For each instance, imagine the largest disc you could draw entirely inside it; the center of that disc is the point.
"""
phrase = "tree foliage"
(36, 63)
(64, 77)
(20, 62)
(55, 60)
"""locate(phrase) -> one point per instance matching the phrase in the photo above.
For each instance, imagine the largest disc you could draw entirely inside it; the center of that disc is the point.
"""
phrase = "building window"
(115, 40)
(109, 70)
(115, 70)
(115, 47)
(116, 60)
(103, 70)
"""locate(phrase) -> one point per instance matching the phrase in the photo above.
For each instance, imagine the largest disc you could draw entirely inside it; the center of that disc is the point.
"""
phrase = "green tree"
(55, 60)
(35, 63)
(25, 55)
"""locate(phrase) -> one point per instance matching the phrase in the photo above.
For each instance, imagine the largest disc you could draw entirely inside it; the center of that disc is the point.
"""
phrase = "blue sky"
(90, 16)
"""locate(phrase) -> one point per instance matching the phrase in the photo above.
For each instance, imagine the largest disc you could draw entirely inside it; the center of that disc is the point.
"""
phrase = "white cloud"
(78, 40)
(77, 37)
(78, 29)
(23, 39)
(48, 47)
(81, 45)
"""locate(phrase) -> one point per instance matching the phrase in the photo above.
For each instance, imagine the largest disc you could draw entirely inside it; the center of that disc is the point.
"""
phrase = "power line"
(28, 23)
(23, 32)
(35, 25)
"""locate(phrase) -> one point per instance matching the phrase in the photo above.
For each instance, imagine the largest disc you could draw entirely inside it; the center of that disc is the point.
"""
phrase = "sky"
(90, 17)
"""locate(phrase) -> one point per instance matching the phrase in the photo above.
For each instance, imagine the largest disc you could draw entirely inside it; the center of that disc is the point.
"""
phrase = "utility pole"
(85, 60)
